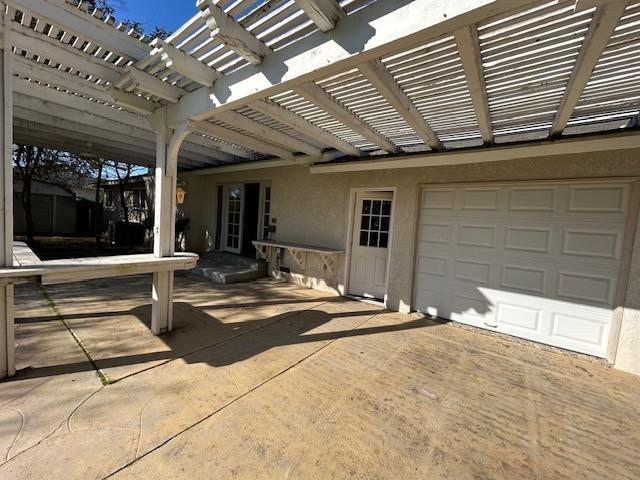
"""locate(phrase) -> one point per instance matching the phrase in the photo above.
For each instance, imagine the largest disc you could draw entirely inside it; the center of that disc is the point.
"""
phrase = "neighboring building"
(138, 195)
(54, 210)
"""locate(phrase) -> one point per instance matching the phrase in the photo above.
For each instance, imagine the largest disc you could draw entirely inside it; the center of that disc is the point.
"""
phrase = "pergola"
(328, 85)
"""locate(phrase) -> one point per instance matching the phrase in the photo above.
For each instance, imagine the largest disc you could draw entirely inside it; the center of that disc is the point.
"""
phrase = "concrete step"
(225, 268)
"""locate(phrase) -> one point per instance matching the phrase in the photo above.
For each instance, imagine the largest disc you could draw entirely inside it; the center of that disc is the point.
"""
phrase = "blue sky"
(166, 13)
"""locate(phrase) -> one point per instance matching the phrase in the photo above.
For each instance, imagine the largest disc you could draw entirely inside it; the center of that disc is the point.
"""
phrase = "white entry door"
(232, 217)
(369, 245)
(534, 260)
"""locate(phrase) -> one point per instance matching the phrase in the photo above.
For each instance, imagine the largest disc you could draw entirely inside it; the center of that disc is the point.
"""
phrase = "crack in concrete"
(248, 392)
(15, 439)
(147, 403)
(53, 432)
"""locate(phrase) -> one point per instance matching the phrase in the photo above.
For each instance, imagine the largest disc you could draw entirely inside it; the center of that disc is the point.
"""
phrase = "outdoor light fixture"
(180, 194)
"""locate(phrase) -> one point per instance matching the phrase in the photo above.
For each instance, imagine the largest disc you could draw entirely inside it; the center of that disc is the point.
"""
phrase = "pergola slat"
(231, 136)
(323, 100)
(384, 82)
(604, 22)
(296, 122)
(232, 118)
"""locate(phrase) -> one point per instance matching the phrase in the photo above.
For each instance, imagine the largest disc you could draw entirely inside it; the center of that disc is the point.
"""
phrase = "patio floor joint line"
(240, 397)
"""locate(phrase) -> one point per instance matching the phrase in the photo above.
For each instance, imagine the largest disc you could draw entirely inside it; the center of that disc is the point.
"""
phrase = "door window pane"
(374, 223)
(233, 217)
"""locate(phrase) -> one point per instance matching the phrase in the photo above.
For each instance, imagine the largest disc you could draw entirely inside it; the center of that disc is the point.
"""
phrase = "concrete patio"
(267, 380)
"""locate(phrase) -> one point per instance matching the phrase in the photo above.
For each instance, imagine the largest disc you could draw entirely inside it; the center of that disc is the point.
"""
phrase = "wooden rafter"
(178, 61)
(604, 22)
(266, 132)
(130, 101)
(296, 122)
(326, 102)
(137, 79)
(324, 13)
(227, 135)
(229, 32)
(384, 82)
(51, 49)
(78, 23)
(469, 50)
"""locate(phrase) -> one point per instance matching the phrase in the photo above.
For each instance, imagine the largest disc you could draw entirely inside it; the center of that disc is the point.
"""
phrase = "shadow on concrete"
(235, 341)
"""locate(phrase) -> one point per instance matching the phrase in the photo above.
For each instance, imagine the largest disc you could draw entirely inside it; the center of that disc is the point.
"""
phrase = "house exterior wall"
(313, 209)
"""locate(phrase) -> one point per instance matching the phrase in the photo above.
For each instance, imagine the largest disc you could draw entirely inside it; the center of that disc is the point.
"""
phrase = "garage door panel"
(592, 243)
(530, 239)
(479, 199)
(525, 278)
(532, 199)
(473, 235)
(585, 287)
(539, 261)
(599, 199)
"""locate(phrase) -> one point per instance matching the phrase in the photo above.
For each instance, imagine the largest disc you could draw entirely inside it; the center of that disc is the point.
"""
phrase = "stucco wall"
(313, 209)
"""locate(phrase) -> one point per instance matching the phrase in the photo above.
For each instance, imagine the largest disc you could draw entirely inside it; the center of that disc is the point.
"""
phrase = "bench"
(299, 252)
(28, 269)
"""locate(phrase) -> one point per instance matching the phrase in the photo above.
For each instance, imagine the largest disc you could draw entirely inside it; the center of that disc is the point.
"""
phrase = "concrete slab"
(309, 387)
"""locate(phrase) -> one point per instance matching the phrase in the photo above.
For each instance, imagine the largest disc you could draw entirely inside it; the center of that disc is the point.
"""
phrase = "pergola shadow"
(235, 341)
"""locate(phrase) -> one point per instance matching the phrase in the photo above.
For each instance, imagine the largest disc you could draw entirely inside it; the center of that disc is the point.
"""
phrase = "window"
(267, 213)
(374, 223)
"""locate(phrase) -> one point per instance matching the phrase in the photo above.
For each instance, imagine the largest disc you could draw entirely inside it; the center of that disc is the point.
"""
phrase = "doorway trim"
(351, 212)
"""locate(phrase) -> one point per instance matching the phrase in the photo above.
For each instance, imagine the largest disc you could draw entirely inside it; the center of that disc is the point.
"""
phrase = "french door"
(232, 216)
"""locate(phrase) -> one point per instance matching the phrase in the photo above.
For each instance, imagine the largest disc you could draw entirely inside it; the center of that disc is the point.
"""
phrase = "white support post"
(7, 337)
(167, 147)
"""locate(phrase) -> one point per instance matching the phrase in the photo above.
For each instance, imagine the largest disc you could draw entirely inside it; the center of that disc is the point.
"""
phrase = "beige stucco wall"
(313, 209)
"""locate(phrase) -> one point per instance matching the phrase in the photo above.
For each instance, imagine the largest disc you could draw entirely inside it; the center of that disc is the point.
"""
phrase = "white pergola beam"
(237, 138)
(52, 98)
(138, 79)
(81, 148)
(179, 61)
(227, 31)
(296, 122)
(78, 23)
(46, 47)
(268, 133)
(324, 13)
(322, 54)
(37, 124)
(469, 50)
(326, 102)
(130, 101)
(56, 104)
(604, 22)
(384, 82)
(55, 77)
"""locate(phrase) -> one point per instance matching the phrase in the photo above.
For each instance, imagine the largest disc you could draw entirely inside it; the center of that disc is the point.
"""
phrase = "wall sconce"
(180, 194)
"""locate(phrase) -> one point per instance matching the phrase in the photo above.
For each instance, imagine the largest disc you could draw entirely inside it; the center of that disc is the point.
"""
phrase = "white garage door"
(538, 261)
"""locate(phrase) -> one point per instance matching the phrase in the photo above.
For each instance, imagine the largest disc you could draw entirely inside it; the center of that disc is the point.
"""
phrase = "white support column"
(167, 146)
(7, 337)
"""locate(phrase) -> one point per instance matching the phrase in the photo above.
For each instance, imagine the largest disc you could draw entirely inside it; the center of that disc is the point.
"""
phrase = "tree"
(28, 161)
